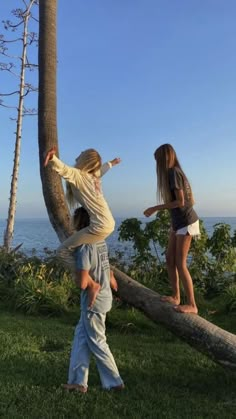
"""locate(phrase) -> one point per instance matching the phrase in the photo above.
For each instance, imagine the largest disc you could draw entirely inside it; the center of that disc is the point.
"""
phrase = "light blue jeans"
(89, 337)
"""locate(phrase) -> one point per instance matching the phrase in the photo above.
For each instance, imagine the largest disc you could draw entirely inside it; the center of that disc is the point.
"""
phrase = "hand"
(49, 155)
(149, 211)
(113, 282)
(115, 161)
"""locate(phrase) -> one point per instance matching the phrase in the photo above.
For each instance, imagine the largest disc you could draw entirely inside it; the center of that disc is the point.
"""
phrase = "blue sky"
(133, 74)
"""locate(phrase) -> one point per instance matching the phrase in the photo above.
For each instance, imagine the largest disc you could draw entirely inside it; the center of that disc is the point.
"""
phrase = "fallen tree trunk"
(216, 343)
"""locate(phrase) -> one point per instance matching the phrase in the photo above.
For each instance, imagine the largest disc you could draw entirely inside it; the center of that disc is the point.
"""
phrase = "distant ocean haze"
(39, 234)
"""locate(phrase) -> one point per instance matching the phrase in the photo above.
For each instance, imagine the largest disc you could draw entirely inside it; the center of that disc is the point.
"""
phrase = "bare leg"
(182, 248)
(172, 271)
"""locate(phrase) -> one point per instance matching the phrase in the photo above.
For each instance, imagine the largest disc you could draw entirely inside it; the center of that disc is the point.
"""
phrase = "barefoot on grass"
(169, 299)
(93, 291)
(186, 309)
(75, 387)
(118, 388)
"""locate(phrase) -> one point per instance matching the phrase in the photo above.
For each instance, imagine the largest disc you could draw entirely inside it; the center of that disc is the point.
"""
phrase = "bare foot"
(75, 387)
(186, 309)
(169, 299)
(113, 283)
(93, 291)
(118, 388)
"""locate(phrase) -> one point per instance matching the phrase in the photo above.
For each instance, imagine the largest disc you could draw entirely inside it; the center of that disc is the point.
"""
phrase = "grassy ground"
(164, 377)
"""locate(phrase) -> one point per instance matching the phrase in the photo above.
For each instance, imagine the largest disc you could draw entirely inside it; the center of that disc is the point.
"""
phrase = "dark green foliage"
(34, 285)
(37, 285)
(212, 260)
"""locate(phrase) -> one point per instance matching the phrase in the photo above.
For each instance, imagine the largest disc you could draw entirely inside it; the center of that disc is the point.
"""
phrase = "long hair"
(89, 161)
(80, 218)
(166, 158)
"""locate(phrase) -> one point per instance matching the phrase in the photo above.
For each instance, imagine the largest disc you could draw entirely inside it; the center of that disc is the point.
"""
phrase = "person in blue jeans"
(90, 333)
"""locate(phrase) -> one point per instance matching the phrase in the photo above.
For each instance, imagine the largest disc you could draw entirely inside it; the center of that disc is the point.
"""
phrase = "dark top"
(181, 217)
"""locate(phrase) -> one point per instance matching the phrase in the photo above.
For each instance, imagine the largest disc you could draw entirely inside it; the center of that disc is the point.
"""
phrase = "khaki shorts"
(191, 229)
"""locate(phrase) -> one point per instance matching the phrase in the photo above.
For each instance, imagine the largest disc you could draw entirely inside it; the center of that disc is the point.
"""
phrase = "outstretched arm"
(71, 174)
(106, 166)
(115, 161)
(177, 203)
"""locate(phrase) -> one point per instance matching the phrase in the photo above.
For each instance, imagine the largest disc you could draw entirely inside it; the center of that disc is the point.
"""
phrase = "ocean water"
(38, 234)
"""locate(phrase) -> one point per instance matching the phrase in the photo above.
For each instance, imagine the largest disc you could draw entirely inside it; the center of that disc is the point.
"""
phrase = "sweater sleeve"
(105, 167)
(71, 174)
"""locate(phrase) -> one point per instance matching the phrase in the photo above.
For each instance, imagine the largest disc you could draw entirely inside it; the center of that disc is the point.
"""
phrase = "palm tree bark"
(47, 117)
(216, 343)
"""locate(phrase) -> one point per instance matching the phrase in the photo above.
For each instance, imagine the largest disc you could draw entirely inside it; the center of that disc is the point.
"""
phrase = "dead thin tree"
(17, 67)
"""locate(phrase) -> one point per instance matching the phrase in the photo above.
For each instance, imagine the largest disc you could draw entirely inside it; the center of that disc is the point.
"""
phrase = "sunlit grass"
(164, 377)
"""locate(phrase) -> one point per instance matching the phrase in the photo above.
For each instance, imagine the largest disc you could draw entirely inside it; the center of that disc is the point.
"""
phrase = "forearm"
(83, 279)
(68, 173)
(105, 168)
(168, 205)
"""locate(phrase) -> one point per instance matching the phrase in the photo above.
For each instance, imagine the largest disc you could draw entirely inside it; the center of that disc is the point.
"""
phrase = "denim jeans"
(90, 338)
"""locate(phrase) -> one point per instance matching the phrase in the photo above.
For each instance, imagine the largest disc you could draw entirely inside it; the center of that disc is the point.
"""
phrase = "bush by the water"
(42, 285)
(212, 260)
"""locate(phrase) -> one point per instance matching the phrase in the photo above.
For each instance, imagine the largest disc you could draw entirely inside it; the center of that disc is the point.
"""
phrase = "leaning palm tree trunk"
(47, 117)
(218, 344)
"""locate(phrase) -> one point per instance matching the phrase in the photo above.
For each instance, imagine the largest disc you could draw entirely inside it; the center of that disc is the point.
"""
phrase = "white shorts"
(191, 229)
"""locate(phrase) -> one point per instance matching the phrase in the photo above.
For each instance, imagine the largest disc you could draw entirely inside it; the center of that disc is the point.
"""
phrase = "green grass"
(164, 377)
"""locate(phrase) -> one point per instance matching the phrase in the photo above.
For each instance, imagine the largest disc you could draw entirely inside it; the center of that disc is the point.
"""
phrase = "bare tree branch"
(32, 37)
(10, 94)
(9, 70)
(30, 112)
(35, 19)
(15, 57)
(29, 65)
(7, 106)
(9, 41)
(9, 25)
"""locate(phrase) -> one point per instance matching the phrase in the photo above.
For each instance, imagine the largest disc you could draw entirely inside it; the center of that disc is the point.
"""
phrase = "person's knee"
(170, 261)
(181, 266)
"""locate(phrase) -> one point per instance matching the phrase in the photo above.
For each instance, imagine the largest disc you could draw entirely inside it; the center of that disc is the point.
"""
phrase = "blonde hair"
(166, 158)
(80, 218)
(89, 161)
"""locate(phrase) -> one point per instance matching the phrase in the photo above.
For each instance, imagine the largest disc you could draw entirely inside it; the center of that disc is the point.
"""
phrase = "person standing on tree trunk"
(176, 194)
(84, 188)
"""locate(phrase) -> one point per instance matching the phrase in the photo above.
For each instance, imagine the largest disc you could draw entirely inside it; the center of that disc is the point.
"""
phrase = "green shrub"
(212, 260)
(34, 285)
(229, 298)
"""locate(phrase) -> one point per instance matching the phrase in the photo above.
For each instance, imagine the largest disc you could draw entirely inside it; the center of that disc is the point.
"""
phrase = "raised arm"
(71, 174)
(106, 166)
